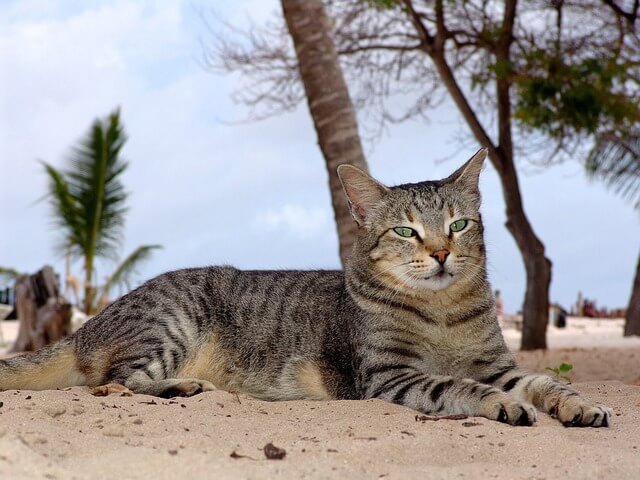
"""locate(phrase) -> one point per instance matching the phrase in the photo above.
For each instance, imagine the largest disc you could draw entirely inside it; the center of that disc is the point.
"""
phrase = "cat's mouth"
(434, 281)
(441, 275)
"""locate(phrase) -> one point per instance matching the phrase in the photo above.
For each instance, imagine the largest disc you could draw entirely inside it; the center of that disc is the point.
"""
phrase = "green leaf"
(561, 99)
(562, 368)
(565, 367)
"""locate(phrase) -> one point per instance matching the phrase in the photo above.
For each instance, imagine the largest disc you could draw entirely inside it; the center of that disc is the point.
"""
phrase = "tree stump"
(44, 316)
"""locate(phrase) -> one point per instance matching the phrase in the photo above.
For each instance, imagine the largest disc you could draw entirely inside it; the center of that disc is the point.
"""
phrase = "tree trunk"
(535, 308)
(632, 324)
(538, 268)
(331, 109)
(44, 318)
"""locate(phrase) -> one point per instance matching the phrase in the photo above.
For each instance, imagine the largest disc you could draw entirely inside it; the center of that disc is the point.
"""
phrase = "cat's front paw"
(575, 411)
(505, 409)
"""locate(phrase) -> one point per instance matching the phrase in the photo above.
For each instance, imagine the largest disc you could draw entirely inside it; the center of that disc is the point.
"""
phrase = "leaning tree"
(329, 103)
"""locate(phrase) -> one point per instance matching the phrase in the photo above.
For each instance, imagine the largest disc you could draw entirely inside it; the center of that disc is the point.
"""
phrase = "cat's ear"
(362, 190)
(469, 174)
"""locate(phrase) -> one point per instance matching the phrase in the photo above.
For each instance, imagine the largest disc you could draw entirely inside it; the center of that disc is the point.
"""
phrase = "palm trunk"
(329, 103)
(632, 325)
(88, 286)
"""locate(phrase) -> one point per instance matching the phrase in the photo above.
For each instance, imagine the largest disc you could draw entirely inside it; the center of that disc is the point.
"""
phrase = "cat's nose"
(440, 255)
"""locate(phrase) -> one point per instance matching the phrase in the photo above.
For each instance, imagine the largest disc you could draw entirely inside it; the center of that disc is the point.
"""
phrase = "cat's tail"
(54, 366)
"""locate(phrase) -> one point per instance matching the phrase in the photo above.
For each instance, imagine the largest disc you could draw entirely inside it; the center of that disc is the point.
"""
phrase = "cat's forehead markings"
(408, 214)
(418, 227)
(429, 198)
(438, 202)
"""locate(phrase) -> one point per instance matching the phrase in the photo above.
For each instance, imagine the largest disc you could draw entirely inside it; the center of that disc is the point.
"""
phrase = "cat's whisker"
(404, 283)
(396, 289)
(476, 276)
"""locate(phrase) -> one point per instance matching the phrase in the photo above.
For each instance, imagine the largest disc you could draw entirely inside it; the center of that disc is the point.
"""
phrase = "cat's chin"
(434, 283)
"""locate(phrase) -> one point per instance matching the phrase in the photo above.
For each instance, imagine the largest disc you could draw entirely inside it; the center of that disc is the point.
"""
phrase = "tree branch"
(631, 17)
(374, 46)
(427, 40)
(449, 80)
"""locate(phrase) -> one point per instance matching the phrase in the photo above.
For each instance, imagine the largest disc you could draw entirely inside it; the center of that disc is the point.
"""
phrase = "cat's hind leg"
(140, 382)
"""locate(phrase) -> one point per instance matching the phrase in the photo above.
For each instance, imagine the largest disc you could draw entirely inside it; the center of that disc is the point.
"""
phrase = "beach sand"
(72, 434)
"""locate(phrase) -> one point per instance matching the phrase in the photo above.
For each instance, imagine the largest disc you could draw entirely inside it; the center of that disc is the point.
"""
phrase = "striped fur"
(410, 321)
(48, 368)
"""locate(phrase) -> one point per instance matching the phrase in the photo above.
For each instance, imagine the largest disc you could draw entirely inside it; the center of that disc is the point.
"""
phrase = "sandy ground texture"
(72, 434)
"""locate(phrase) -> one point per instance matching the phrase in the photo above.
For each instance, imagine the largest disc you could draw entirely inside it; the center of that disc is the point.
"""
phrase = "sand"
(73, 434)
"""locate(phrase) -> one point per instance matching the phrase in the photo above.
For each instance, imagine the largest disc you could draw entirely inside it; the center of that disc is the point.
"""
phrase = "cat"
(411, 321)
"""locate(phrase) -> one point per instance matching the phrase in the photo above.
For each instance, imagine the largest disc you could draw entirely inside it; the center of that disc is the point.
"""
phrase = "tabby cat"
(411, 320)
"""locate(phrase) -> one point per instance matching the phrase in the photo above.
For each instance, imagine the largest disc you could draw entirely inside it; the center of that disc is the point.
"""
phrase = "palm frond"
(615, 159)
(128, 267)
(66, 211)
(94, 184)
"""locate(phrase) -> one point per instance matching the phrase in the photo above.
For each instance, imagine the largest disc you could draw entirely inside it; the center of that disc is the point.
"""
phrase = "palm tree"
(615, 158)
(88, 202)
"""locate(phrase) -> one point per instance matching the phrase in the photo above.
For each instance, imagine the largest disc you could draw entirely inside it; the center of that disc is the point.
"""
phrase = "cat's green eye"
(405, 231)
(459, 225)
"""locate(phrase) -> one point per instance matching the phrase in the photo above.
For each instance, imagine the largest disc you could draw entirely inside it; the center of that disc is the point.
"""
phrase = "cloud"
(297, 220)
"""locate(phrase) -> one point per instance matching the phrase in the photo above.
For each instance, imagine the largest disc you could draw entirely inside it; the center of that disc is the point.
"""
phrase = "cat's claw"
(507, 410)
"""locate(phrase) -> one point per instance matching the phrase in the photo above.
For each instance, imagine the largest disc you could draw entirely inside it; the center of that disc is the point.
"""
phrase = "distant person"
(580, 305)
(561, 318)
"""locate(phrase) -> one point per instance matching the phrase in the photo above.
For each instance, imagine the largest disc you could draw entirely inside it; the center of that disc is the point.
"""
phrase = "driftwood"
(45, 317)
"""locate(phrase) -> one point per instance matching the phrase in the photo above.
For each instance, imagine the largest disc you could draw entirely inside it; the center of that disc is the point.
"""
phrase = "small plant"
(561, 370)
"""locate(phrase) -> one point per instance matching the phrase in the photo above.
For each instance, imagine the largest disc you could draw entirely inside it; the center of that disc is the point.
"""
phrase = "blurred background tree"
(88, 201)
(538, 79)
(615, 159)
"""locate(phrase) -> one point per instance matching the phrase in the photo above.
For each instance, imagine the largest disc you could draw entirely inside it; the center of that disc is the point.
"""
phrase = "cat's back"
(198, 299)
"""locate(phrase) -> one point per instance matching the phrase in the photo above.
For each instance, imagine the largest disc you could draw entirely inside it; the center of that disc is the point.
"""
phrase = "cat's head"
(421, 236)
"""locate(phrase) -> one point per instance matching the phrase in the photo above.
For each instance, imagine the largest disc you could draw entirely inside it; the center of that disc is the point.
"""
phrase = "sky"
(214, 190)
